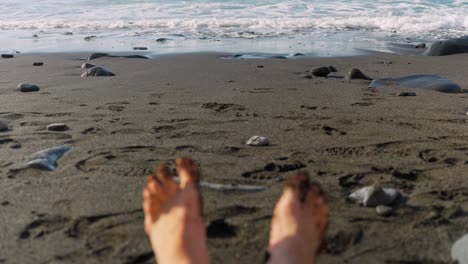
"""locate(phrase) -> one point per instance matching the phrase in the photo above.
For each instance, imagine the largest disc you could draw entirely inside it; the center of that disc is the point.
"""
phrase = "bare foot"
(299, 222)
(173, 218)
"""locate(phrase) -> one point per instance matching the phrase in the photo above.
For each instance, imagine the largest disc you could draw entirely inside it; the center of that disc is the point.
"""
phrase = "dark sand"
(345, 134)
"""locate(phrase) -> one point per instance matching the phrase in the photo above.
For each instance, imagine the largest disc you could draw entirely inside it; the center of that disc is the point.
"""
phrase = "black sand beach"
(343, 133)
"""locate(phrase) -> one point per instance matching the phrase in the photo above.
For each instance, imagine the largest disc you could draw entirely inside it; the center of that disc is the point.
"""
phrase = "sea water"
(323, 27)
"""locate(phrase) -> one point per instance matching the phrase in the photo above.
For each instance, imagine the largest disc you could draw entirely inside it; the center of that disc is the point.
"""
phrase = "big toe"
(188, 171)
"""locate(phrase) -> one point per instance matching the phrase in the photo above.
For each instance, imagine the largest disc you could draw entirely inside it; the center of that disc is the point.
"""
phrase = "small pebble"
(97, 71)
(8, 56)
(357, 74)
(38, 63)
(258, 141)
(384, 210)
(26, 87)
(3, 127)
(35, 36)
(162, 40)
(88, 38)
(406, 94)
(15, 146)
(323, 71)
(140, 48)
(57, 127)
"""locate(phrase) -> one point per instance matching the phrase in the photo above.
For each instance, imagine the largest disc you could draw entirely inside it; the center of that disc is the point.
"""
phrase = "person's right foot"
(299, 222)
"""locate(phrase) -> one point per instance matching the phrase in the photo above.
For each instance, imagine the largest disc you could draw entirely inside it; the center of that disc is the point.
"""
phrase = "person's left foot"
(173, 218)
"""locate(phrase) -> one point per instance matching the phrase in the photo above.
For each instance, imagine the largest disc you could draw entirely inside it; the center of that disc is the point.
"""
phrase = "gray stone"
(406, 94)
(87, 66)
(140, 48)
(162, 40)
(384, 210)
(57, 127)
(357, 74)
(27, 87)
(448, 47)
(88, 38)
(459, 250)
(322, 71)
(47, 159)
(39, 63)
(374, 195)
(97, 71)
(428, 82)
(15, 146)
(8, 56)
(3, 127)
(258, 141)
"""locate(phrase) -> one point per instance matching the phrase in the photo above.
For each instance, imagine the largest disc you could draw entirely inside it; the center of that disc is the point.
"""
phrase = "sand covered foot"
(173, 218)
(299, 222)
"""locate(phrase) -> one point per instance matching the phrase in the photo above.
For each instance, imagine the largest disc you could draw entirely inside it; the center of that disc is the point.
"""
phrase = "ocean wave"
(238, 19)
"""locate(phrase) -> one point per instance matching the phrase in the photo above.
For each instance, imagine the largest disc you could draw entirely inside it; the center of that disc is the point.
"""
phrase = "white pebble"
(258, 141)
(374, 195)
(459, 250)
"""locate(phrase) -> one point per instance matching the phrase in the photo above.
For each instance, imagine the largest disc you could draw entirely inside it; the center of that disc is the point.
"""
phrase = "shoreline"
(343, 133)
(318, 46)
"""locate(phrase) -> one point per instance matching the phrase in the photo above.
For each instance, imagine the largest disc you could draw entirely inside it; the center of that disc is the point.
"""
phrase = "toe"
(188, 171)
(316, 209)
(300, 183)
(165, 177)
(151, 203)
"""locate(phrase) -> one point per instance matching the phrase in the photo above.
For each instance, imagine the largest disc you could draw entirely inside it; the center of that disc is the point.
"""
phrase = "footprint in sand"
(272, 171)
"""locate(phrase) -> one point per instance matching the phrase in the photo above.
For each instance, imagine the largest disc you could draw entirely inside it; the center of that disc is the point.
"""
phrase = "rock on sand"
(47, 159)
(428, 82)
(57, 127)
(323, 71)
(26, 87)
(258, 141)
(375, 195)
(448, 47)
(357, 74)
(97, 71)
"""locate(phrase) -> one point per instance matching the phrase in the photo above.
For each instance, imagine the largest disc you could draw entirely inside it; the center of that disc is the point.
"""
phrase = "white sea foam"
(237, 18)
(313, 24)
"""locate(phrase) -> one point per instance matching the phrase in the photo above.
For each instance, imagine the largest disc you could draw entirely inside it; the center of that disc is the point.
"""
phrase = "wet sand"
(344, 134)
